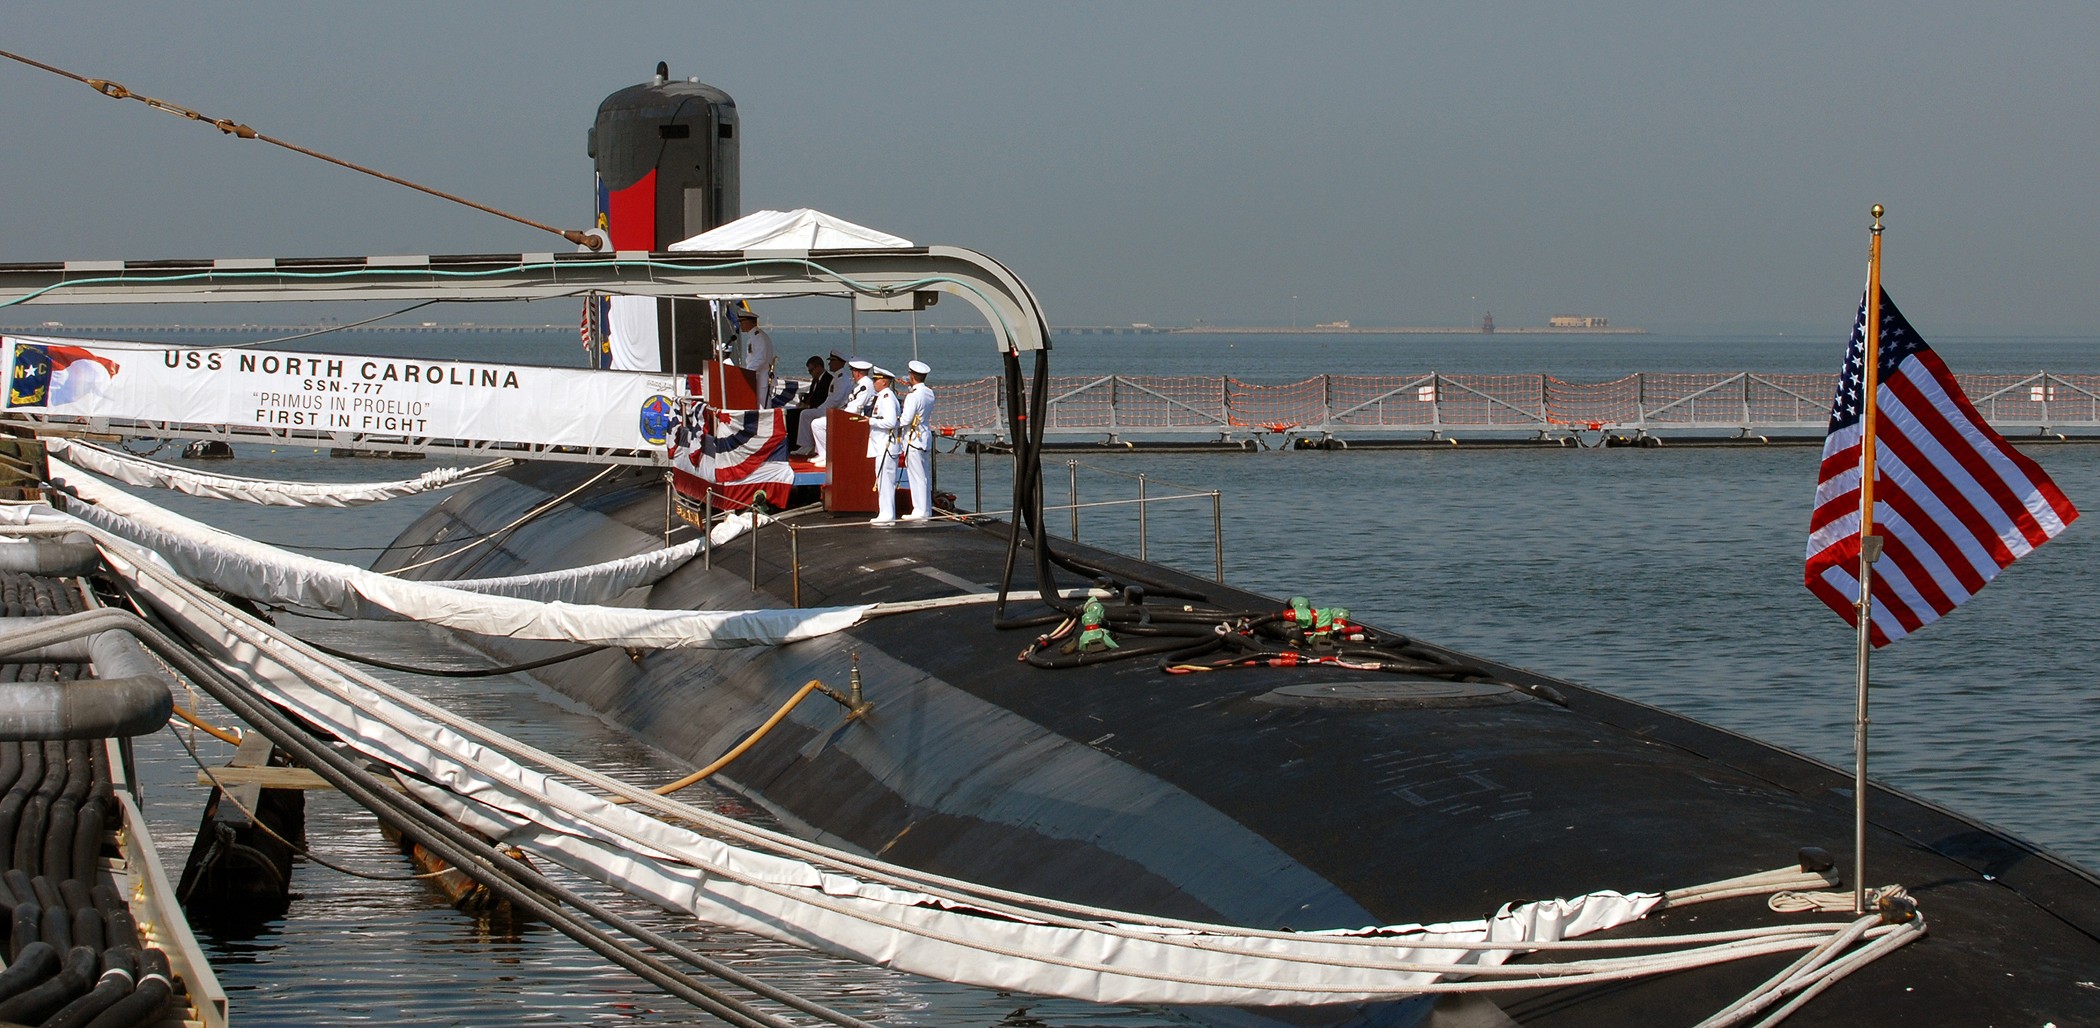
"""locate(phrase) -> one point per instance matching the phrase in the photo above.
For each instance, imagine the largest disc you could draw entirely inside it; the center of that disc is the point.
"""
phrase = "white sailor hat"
(881, 373)
(861, 366)
(919, 368)
(837, 356)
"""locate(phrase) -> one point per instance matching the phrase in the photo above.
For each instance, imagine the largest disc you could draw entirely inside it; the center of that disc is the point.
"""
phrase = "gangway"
(324, 410)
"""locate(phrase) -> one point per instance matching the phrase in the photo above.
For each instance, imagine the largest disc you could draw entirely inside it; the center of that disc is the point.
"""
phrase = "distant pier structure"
(1589, 326)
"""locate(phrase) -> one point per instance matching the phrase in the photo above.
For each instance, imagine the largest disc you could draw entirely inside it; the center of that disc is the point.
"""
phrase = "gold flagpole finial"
(1877, 218)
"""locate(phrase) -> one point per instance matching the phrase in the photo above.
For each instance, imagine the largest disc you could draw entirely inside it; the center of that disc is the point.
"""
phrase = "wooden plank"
(263, 778)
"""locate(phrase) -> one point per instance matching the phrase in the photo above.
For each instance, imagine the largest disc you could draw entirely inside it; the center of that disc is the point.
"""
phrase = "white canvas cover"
(793, 901)
(810, 896)
(266, 574)
(132, 469)
(799, 229)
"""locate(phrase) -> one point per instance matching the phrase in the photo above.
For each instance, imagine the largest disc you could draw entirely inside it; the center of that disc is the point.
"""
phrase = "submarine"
(1232, 758)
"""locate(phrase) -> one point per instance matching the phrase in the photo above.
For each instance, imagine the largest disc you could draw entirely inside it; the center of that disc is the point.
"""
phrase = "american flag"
(1954, 503)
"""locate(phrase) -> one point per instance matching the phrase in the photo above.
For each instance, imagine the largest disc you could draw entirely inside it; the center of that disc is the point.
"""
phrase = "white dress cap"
(919, 368)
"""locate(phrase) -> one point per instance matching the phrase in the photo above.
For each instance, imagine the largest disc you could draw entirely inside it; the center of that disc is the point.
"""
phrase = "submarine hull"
(1300, 798)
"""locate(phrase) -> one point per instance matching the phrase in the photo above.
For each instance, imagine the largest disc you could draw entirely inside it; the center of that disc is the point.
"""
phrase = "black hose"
(29, 965)
(23, 932)
(491, 672)
(39, 1003)
(148, 1000)
(87, 835)
(56, 928)
(1057, 658)
(119, 975)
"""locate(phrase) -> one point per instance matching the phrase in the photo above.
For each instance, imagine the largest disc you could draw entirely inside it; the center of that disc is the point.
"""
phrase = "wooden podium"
(725, 385)
(849, 486)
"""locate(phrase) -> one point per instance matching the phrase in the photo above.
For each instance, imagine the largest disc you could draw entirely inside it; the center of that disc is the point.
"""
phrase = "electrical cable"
(433, 672)
(118, 91)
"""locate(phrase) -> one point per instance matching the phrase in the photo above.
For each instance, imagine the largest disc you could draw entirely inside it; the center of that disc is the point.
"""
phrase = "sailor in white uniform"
(854, 401)
(885, 441)
(758, 352)
(917, 414)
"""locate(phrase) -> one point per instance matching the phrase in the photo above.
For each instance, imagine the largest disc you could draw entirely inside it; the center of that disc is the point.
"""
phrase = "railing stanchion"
(1217, 532)
(1072, 466)
(753, 535)
(795, 565)
(1141, 515)
(977, 469)
(707, 532)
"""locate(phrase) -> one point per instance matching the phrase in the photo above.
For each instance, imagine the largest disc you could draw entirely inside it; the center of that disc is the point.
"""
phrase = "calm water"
(1671, 576)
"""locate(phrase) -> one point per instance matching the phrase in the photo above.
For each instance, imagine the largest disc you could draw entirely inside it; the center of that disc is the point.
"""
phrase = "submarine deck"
(1302, 797)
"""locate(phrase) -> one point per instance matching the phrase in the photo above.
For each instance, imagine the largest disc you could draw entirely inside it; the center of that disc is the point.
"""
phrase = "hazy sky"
(1683, 167)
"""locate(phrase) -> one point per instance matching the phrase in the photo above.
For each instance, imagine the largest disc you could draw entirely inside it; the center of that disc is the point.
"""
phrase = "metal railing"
(1143, 502)
(1117, 407)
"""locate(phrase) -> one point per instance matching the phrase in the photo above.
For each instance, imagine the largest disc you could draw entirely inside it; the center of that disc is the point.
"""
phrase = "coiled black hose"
(148, 998)
(119, 977)
(72, 981)
(28, 968)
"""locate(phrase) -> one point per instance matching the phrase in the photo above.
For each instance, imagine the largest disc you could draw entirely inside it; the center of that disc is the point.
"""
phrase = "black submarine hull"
(1299, 798)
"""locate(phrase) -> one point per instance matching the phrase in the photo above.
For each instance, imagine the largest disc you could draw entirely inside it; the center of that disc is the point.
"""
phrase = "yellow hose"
(750, 740)
(221, 734)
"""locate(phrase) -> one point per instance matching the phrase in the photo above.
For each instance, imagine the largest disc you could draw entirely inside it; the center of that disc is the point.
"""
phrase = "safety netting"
(1593, 404)
(1130, 402)
(1515, 401)
(2038, 399)
(1797, 399)
(968, 407)
(1382, 401)
(1433, 401)
(1277, 408)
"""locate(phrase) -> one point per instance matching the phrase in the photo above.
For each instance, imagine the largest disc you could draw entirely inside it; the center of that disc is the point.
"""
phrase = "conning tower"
(666, 158)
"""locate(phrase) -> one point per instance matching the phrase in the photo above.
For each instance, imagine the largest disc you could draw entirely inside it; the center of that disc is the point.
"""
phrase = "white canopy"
(799, 229)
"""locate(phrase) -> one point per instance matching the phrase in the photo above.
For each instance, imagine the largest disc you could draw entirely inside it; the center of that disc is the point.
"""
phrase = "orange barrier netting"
(1276, 408)
(1802, 399)
(1593, 404)
(1516, 401)
(1382, 401)
(969, 406)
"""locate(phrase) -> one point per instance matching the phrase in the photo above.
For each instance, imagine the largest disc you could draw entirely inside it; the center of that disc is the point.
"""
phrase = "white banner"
(339, 393)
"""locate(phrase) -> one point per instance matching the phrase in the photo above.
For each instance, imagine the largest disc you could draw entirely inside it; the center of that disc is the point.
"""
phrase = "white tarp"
(410, 397)
(132, 469)
(630, 334)
(796, 902)
(799, 229)
(267, 574)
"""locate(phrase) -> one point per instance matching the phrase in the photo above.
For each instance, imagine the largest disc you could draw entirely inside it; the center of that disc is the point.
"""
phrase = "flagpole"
(1869, 551)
